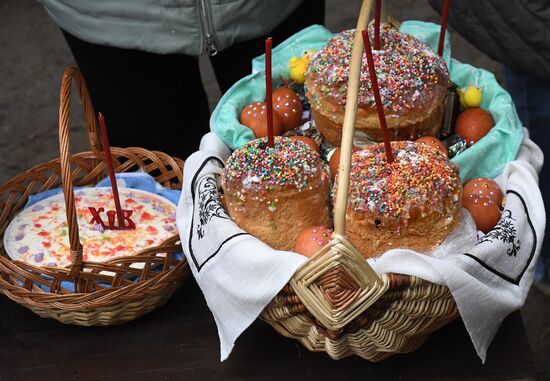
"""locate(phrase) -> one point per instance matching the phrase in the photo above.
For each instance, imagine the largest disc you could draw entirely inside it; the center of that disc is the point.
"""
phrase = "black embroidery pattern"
(505, 231)
(210, 205)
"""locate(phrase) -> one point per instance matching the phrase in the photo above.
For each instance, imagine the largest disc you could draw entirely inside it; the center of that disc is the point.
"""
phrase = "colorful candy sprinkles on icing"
(289, 164)
(406, 69)
(47, 241)
(420, 176)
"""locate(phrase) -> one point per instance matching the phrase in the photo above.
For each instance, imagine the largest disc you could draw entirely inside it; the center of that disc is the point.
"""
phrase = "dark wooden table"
(179, 342)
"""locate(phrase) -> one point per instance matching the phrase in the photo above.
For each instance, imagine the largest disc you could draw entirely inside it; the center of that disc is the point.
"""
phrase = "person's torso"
(191, 27)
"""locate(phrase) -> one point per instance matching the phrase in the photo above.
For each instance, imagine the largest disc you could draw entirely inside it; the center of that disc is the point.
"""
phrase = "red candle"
(377, 16)
(444, 15)
(268, 92)
(376, 93)
(110, 168)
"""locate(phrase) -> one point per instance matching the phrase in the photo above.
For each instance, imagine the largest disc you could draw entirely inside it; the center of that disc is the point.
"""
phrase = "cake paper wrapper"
(239, 275)
(486, 158)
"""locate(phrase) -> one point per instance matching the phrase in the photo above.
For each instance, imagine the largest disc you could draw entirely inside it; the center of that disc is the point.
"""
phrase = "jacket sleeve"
(515, 33)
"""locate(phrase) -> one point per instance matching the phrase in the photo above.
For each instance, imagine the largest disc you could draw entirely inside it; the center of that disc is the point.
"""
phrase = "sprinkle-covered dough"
(407, 70)
(256, 168)
(420, 177)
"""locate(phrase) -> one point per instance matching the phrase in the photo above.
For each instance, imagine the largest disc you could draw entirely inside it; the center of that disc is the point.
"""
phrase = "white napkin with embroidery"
(239, 274)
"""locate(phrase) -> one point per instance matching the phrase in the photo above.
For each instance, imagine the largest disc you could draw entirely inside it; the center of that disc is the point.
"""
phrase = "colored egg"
(433, 142)
(254, 116)
(484, 187)
(310, 142)
(312, 239)
(334, 162)
(472, 124)
(288, 107)
(483, 210)
(472, 97)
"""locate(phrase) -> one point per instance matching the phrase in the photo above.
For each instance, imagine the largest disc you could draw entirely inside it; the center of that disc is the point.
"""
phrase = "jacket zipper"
(209, 42)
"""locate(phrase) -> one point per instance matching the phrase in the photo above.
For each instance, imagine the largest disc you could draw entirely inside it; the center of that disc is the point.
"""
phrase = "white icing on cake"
(39, 234)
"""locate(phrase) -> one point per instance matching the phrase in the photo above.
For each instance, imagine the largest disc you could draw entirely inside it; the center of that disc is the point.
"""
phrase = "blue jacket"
(192, 27)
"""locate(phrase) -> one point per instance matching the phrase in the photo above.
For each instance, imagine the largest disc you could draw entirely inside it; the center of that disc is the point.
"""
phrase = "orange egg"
(433, 142)
(254, 116)
(311, 240)
(310, 142)
(483, 210)
(484, 187)
(334, 161)
(472, 124)
(288, 107)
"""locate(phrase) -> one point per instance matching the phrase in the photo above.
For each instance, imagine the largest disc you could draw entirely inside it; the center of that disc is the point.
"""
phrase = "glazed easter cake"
(274, 193)
(39, 236)
(413, 202)
(413, 82)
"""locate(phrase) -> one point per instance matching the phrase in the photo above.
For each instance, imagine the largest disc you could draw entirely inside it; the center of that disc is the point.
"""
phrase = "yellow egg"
(297, 69)
(472, 97)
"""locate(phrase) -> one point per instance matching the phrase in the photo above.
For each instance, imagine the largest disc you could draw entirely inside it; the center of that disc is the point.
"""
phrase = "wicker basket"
(138, 283)
(335, 302)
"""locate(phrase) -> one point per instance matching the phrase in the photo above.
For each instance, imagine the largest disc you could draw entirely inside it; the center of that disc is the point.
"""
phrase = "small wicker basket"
(335, 302)
(104, 293)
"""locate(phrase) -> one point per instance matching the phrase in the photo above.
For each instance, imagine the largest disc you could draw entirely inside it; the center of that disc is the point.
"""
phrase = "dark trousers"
(158, 101)
(531, 96)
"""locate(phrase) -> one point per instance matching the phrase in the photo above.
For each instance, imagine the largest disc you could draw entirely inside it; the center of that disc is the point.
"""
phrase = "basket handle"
(349, 121)
(64, 148)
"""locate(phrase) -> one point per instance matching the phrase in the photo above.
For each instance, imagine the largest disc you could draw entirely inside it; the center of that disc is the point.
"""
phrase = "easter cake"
(413, 202)
(413, 80)
(274, 193)
(39, 234)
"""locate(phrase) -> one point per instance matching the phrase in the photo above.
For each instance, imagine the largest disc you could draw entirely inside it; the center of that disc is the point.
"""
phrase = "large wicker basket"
(105, 293)
(335, 302)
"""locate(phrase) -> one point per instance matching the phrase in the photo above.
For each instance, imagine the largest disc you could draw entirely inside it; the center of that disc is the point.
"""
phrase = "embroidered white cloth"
(239, 275)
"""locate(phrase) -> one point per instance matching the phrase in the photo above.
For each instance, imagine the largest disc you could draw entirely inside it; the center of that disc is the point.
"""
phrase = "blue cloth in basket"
(135, 180)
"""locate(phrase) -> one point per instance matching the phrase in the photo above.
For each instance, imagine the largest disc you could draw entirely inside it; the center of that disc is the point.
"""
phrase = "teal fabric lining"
(224, 121)
(486, 158)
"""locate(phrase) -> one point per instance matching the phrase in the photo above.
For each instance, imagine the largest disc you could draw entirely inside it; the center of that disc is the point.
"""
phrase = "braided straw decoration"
(335, 302)
(107, 293)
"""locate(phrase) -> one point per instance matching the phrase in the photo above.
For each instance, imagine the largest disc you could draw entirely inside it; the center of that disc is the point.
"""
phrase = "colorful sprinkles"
(420, 177)
(39, 234)
(407, 71)
(256, 168)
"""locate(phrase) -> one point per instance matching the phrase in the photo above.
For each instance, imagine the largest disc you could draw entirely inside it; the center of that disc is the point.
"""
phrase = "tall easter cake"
(275, 193)
(414, 202)
(413, 83)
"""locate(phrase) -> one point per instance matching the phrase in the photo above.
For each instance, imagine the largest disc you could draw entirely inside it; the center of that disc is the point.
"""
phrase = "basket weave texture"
(335, 302)
(106, 293)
